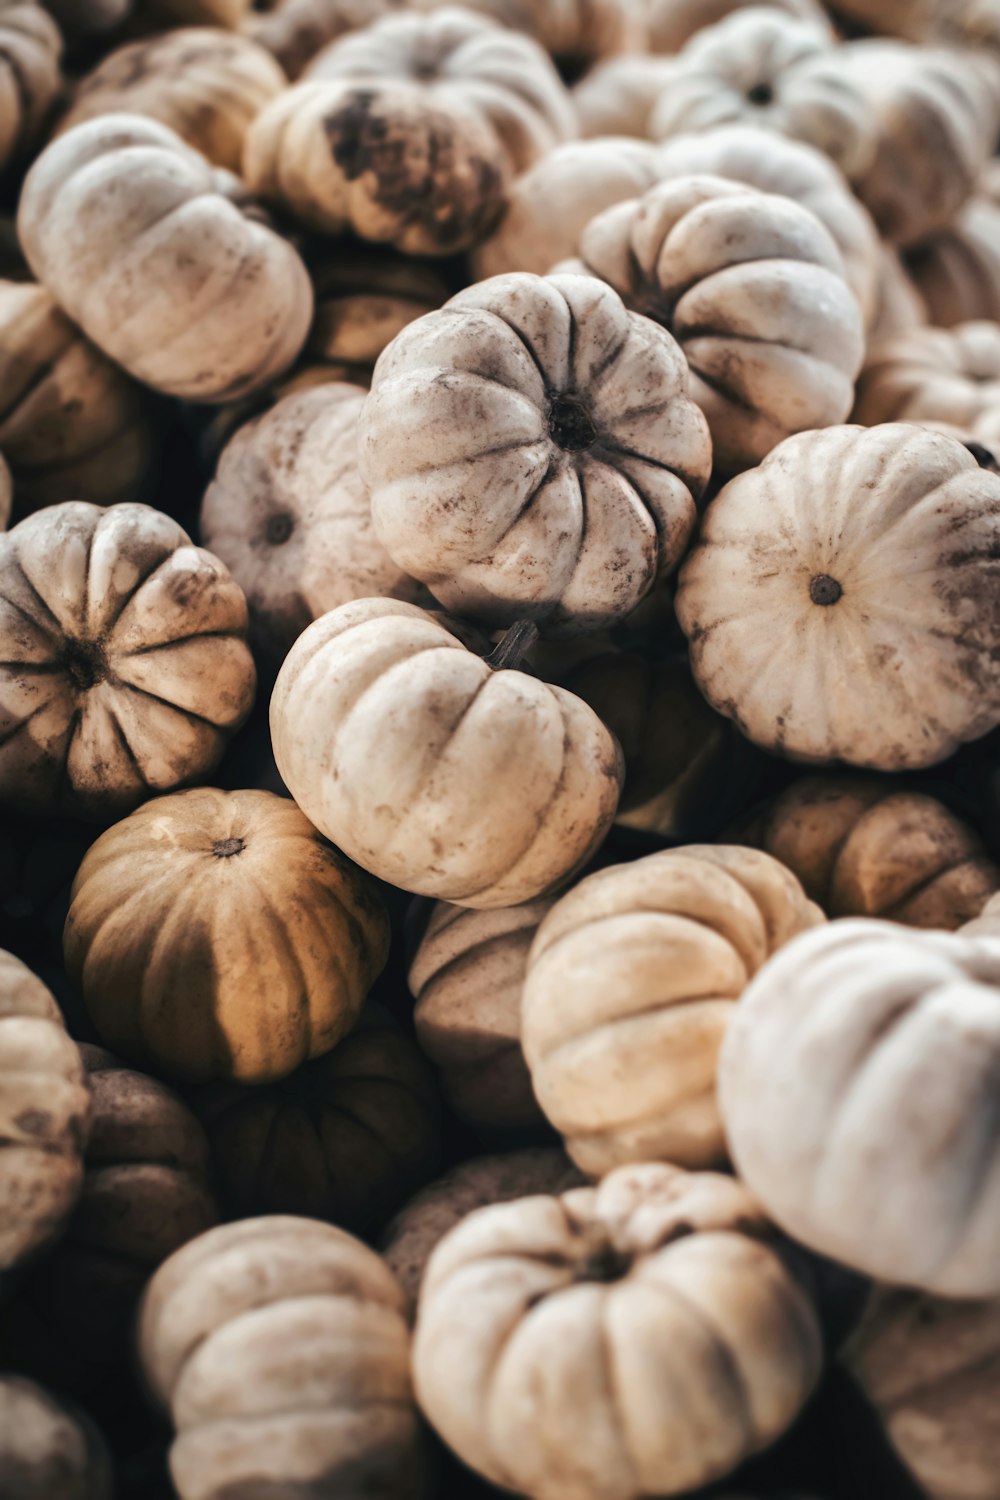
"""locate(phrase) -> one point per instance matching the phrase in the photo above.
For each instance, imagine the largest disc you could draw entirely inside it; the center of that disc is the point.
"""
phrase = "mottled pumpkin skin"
(216, 935)
(47, 1450)
(280, 1347)
(634, 1312)
(30, 76)
(44, 1113)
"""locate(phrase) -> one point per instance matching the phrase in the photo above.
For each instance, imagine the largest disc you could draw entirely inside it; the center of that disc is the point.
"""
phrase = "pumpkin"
(532, 451)
(765, 160)
(641, 1337)
(30, 77)
(6, 492)
(206, 85)
(684, 764)
(293, 31)
(432, 768)
(672, 23)
(987, 924)
(857, 1084)
(933, 374)
(577, 33)
(289, 515)
(84, 18)
(632, 980)
(281, 1349)
(125, 667)
(834, 615)
(363, 299)
(48, 1451)
(916, 20)
(45, 1104)
(899, 305)
(166, 267)
(166, 14)
(931, 1369)
(347, 1137)
(616, 98)
(412, 1235)
(936, 119)
(864, 847)
(764, 68)
(466, 977)
(957, 271)
(215, 935)
(752, 287)
(549, 205)
(71, 422)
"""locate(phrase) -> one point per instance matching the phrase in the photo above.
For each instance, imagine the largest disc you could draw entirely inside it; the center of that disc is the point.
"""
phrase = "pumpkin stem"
(513, 646)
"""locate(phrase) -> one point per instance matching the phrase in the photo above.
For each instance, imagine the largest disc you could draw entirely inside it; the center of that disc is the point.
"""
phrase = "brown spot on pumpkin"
(227, 848)
(34, 1121)
(824, 590)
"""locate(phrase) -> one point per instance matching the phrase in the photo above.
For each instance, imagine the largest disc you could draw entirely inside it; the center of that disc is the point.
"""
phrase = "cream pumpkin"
(125, 667)
(617, 97)
(934, 375)
(672, 23)
(289, 515)
(532, 450)
(466, 978)
(166, 274)
(215, 935)
(987, 924)
(293, 31)
(857, 1085)
(71, 422)
(652, 1320)
(45, 1109)
(752, 287)
(899, 306)
(47, 1450)
(765, 68)
(835, 615)
(957, 271)
(577, 33)
(864, 847)
(205, 84)
(30, 76)
(432, 769)
(632, 980)
(280, 1348)
(363, 299)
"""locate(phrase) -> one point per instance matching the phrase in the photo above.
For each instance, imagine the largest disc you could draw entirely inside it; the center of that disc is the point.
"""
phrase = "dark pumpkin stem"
(512, 648)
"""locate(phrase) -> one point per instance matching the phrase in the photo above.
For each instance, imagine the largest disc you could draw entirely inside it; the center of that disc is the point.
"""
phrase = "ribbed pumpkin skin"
(49, 1451)
(30, 79)
(215, 935)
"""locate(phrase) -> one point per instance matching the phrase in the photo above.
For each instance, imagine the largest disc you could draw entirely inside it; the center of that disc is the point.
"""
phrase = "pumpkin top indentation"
(824, 590)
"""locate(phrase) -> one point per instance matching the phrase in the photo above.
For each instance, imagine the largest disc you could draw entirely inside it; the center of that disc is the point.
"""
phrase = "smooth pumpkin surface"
(216, 935)
(47, 1450)
(934, 375)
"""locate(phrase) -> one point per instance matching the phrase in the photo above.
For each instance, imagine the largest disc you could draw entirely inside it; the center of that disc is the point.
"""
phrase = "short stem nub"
(824, 590)
(226, 848)
(513, 646)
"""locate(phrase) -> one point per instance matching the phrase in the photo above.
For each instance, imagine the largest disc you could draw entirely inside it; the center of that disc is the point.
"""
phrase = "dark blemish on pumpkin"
(761, 95)
(84, 663)
(279, 528)
(824, 590)
(34, 1121)
(226, 848)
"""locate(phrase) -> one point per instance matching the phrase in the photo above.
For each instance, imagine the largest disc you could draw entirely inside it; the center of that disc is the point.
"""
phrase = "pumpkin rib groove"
(923, 886)
(618, 1405)
(11, 734)
(180, 640)
(303, 1014)
(187, 713)
(600, 371)
(56, 628)
(123, 740)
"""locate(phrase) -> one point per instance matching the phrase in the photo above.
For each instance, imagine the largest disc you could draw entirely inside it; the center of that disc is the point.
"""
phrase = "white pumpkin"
(30, 75)
(672, 23)
(933, 375)
(957, 271)
(617, 98)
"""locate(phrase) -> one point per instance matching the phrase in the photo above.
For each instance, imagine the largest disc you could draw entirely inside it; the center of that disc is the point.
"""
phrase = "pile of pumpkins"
(499, 749)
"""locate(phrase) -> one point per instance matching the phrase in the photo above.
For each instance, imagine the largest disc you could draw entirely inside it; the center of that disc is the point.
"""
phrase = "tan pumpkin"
(125, 668)
(957, 271)
(205, 84)
(166, 267)
(828, 606)
(348, 1137)
(30, 76)
(670, 24)
(45, 1109)
(293, 31)
(752, 287)
(71, 422)
(215, 935)
(438, 772)
(363, 299)
(577, 33)
(532, 450)
(280, 1347)
(858, 1085)
(466, 977)
(410, 1238)
(764, 68)
(642, 1337)
(931, 1369)
(865, 847)
(49, 1451)
(933, 374)
(289, 515)
(633, 979)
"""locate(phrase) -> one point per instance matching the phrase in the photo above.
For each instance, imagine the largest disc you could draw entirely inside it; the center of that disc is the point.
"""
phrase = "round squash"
(858, 1085)
(45, 1109)
(165, 267)
(71, 422)
(289, 515)
(617, 97)
(652, 1322)
(466, 978)
(765, 68)
(532, 451)
(205, 84)
(633, 979)
(957, 271)
(347, 1138)
(293, 31)
(835, 615)
(125, 667)
(576, 33)
(49, 1451)
(752, 287)
(216, 935)
(433, 769)
(670, 24)
(933, 375)
(30, 77)
(281, 1349)
(866, 847)
(411, 1237)
(363, 299)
